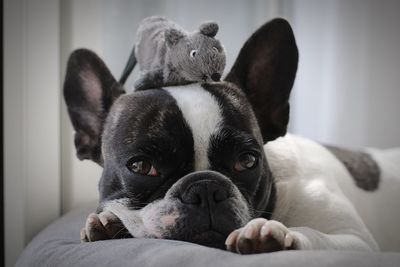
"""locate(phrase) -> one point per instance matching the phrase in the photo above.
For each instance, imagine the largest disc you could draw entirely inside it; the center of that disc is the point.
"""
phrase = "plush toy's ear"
(209, 29)
(89, 92)
(265, 70)
(172, 36)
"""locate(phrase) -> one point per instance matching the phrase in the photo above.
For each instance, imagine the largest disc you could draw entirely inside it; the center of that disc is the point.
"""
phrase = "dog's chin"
(209, 238)
(202, 232)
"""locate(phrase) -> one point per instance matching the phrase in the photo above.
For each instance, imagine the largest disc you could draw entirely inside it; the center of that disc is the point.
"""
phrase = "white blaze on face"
(203, 115)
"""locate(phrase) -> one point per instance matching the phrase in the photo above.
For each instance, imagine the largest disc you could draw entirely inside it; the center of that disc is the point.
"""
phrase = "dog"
(212, 163)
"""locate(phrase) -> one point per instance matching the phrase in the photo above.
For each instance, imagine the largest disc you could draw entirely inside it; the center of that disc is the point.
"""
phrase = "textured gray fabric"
(168, 55)
(59, 245)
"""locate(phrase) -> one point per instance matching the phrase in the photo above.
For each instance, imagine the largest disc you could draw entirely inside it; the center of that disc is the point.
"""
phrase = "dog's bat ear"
(89, 92)
(265, 70)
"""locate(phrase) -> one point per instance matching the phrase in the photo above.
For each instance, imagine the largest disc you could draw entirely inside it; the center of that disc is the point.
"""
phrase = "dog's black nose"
(216, 77)
(205, 192)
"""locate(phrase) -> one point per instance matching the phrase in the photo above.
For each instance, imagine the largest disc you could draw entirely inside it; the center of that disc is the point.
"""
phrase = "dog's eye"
(143, 167)
(246, 161)
(193, 53)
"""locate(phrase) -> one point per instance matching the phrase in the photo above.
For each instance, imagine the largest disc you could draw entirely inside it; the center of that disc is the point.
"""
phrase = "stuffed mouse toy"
(168, 55)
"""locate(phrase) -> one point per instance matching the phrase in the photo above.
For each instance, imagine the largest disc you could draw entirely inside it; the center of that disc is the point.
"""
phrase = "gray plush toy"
(168, 55)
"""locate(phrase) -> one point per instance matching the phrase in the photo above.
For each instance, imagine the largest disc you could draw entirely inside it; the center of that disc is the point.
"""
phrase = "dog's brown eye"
(143, 167)
(245, 161)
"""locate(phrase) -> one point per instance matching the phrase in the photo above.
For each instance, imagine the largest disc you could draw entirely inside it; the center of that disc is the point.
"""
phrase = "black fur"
(265, 70)
(89, 92)
(150, 125)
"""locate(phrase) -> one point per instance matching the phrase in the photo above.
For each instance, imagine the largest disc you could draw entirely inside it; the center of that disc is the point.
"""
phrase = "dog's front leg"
(261, 235)
(115, 221)
(308, 238)
(130, 218)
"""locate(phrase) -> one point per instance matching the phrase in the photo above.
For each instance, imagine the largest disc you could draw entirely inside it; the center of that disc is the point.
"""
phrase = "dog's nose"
(216, 77)
(205, 192)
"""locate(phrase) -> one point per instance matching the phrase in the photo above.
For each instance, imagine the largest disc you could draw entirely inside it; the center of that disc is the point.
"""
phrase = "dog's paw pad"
(113, 225)
(94, 228)
(258, 236)
(102, 226)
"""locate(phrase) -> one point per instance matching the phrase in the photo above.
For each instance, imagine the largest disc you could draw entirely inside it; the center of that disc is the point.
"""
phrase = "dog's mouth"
(210, 238)
(202, 231)
(207, 233)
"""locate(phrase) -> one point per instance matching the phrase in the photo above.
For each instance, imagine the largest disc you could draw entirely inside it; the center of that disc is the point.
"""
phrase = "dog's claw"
(231, 240)
(288, 241)
(258, 236)
(83, 235)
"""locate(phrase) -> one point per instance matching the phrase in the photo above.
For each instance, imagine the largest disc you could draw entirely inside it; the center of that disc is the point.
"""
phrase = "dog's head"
(190, 157)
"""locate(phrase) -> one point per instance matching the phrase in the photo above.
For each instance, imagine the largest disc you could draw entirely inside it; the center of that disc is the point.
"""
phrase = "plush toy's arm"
(150, 79)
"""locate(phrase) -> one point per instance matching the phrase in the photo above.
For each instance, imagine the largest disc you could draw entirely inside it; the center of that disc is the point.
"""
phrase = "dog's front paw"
(260, 235)
(103, 226)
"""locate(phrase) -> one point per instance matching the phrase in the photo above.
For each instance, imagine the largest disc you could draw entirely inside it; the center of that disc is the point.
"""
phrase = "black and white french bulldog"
(211, 163)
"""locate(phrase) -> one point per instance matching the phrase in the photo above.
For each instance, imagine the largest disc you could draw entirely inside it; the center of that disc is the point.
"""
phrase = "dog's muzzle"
(204, 189)
(210, 207)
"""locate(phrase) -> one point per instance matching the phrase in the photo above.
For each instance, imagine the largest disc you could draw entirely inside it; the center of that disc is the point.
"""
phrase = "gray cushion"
(59, 245)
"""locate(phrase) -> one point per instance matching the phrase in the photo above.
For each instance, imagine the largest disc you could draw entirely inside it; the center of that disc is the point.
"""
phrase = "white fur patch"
(310, 185)
(203, 115)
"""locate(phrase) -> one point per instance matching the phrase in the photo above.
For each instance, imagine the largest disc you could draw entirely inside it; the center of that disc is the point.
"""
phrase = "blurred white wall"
(81, 27)
(31, 120)
(236, 18)
(347, 89)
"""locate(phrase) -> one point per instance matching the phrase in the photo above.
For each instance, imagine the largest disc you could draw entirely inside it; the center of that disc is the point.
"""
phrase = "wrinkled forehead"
(198, 110)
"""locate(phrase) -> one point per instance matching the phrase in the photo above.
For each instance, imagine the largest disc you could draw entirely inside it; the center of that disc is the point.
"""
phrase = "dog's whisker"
(117, 233)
